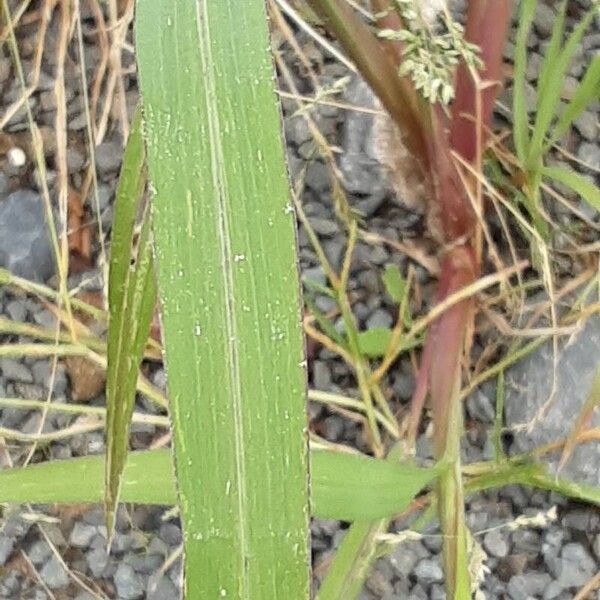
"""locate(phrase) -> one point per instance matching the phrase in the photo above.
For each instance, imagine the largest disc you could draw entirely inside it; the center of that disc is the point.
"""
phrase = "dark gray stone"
(24, 241)
(129, 584)
(429, 571)
(171, 534)
(574, 567)
(544, 19)
(531, 583)
(108, 157)
(13, 370)
(6, 548)
(528, 388)
(82, 534)
(380, 318)
(359, 165)
(496, 544)
(54, 574)
(164, 589)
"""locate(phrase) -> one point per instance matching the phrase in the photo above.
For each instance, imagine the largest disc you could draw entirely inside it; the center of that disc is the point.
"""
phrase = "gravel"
(24, 241)
(129, 584)
(54, 574)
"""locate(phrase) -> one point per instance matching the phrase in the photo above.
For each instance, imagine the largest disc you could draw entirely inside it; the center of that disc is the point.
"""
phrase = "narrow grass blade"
(132, 295)
(379, 488)
(344, 486)
(228, 282)
(553, 49)
(578, 183)
(520, 118)
(549, 97)
(587, 91)
(352, 560)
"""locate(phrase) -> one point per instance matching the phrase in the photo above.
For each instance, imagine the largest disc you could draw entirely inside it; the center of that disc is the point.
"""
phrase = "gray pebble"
(39, 552)
(575, 567)
(480, 407)
(108, 157)
(496, 544)
(380, 318)
(82, 534)
(318, 177)
(553, 591)
(590, 154)
(531, 583)
(75, 159)
(429, 571)
(16, 310)
(325, 227)
(97, 560)
(171, 534)
(334, 427)
(296, 130)
(321, 375)
(587, 125)
(164, 589)
(54, 574)
(6, 548)
(24, 242)
(13, 370)
(544, 19)
(128, 583)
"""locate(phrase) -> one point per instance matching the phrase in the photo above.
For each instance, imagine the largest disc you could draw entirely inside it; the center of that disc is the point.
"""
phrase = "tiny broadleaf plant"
(131, 300)
(228, 285)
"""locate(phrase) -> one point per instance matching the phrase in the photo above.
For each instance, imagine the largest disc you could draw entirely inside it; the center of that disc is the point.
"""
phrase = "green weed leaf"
(578, 183)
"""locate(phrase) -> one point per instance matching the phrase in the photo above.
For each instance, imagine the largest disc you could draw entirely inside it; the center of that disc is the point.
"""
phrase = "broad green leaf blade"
(549, 100)
(378, 488)
(147, 478)
(132, 295)
(578, 183)
(520, 118)
(344, 486)
(228, 283)
(587, 91)
(352, 560)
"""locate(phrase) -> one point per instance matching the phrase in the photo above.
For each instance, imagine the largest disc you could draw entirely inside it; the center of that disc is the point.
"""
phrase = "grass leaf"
(344, 486)
(350, 564)
(549, 97)
(228, 281)
(379, 488)
(578, 183)
(132, 296)
(587, 91)
(521, 120)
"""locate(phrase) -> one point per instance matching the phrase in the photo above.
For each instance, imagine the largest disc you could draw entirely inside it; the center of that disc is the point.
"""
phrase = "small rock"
(16, 310)
(171, 534)
(496, 544)
(39, 552)
(81, 535)
(54, 574)
(13, 370)
(480, 407)
(108, 157)
(321, 375)
(587, 125)
(325, 227)
(544, 19)
(553, 591)
(24, 242)
(590, 154)
(75, 159)
(380, 318)
(128, 583)
(531, 583)
(403, 561)
(318, 177)
(6, 548)
(164, 589)
(97, 560)
(429, 571)
(296, 130)
(575, 567)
